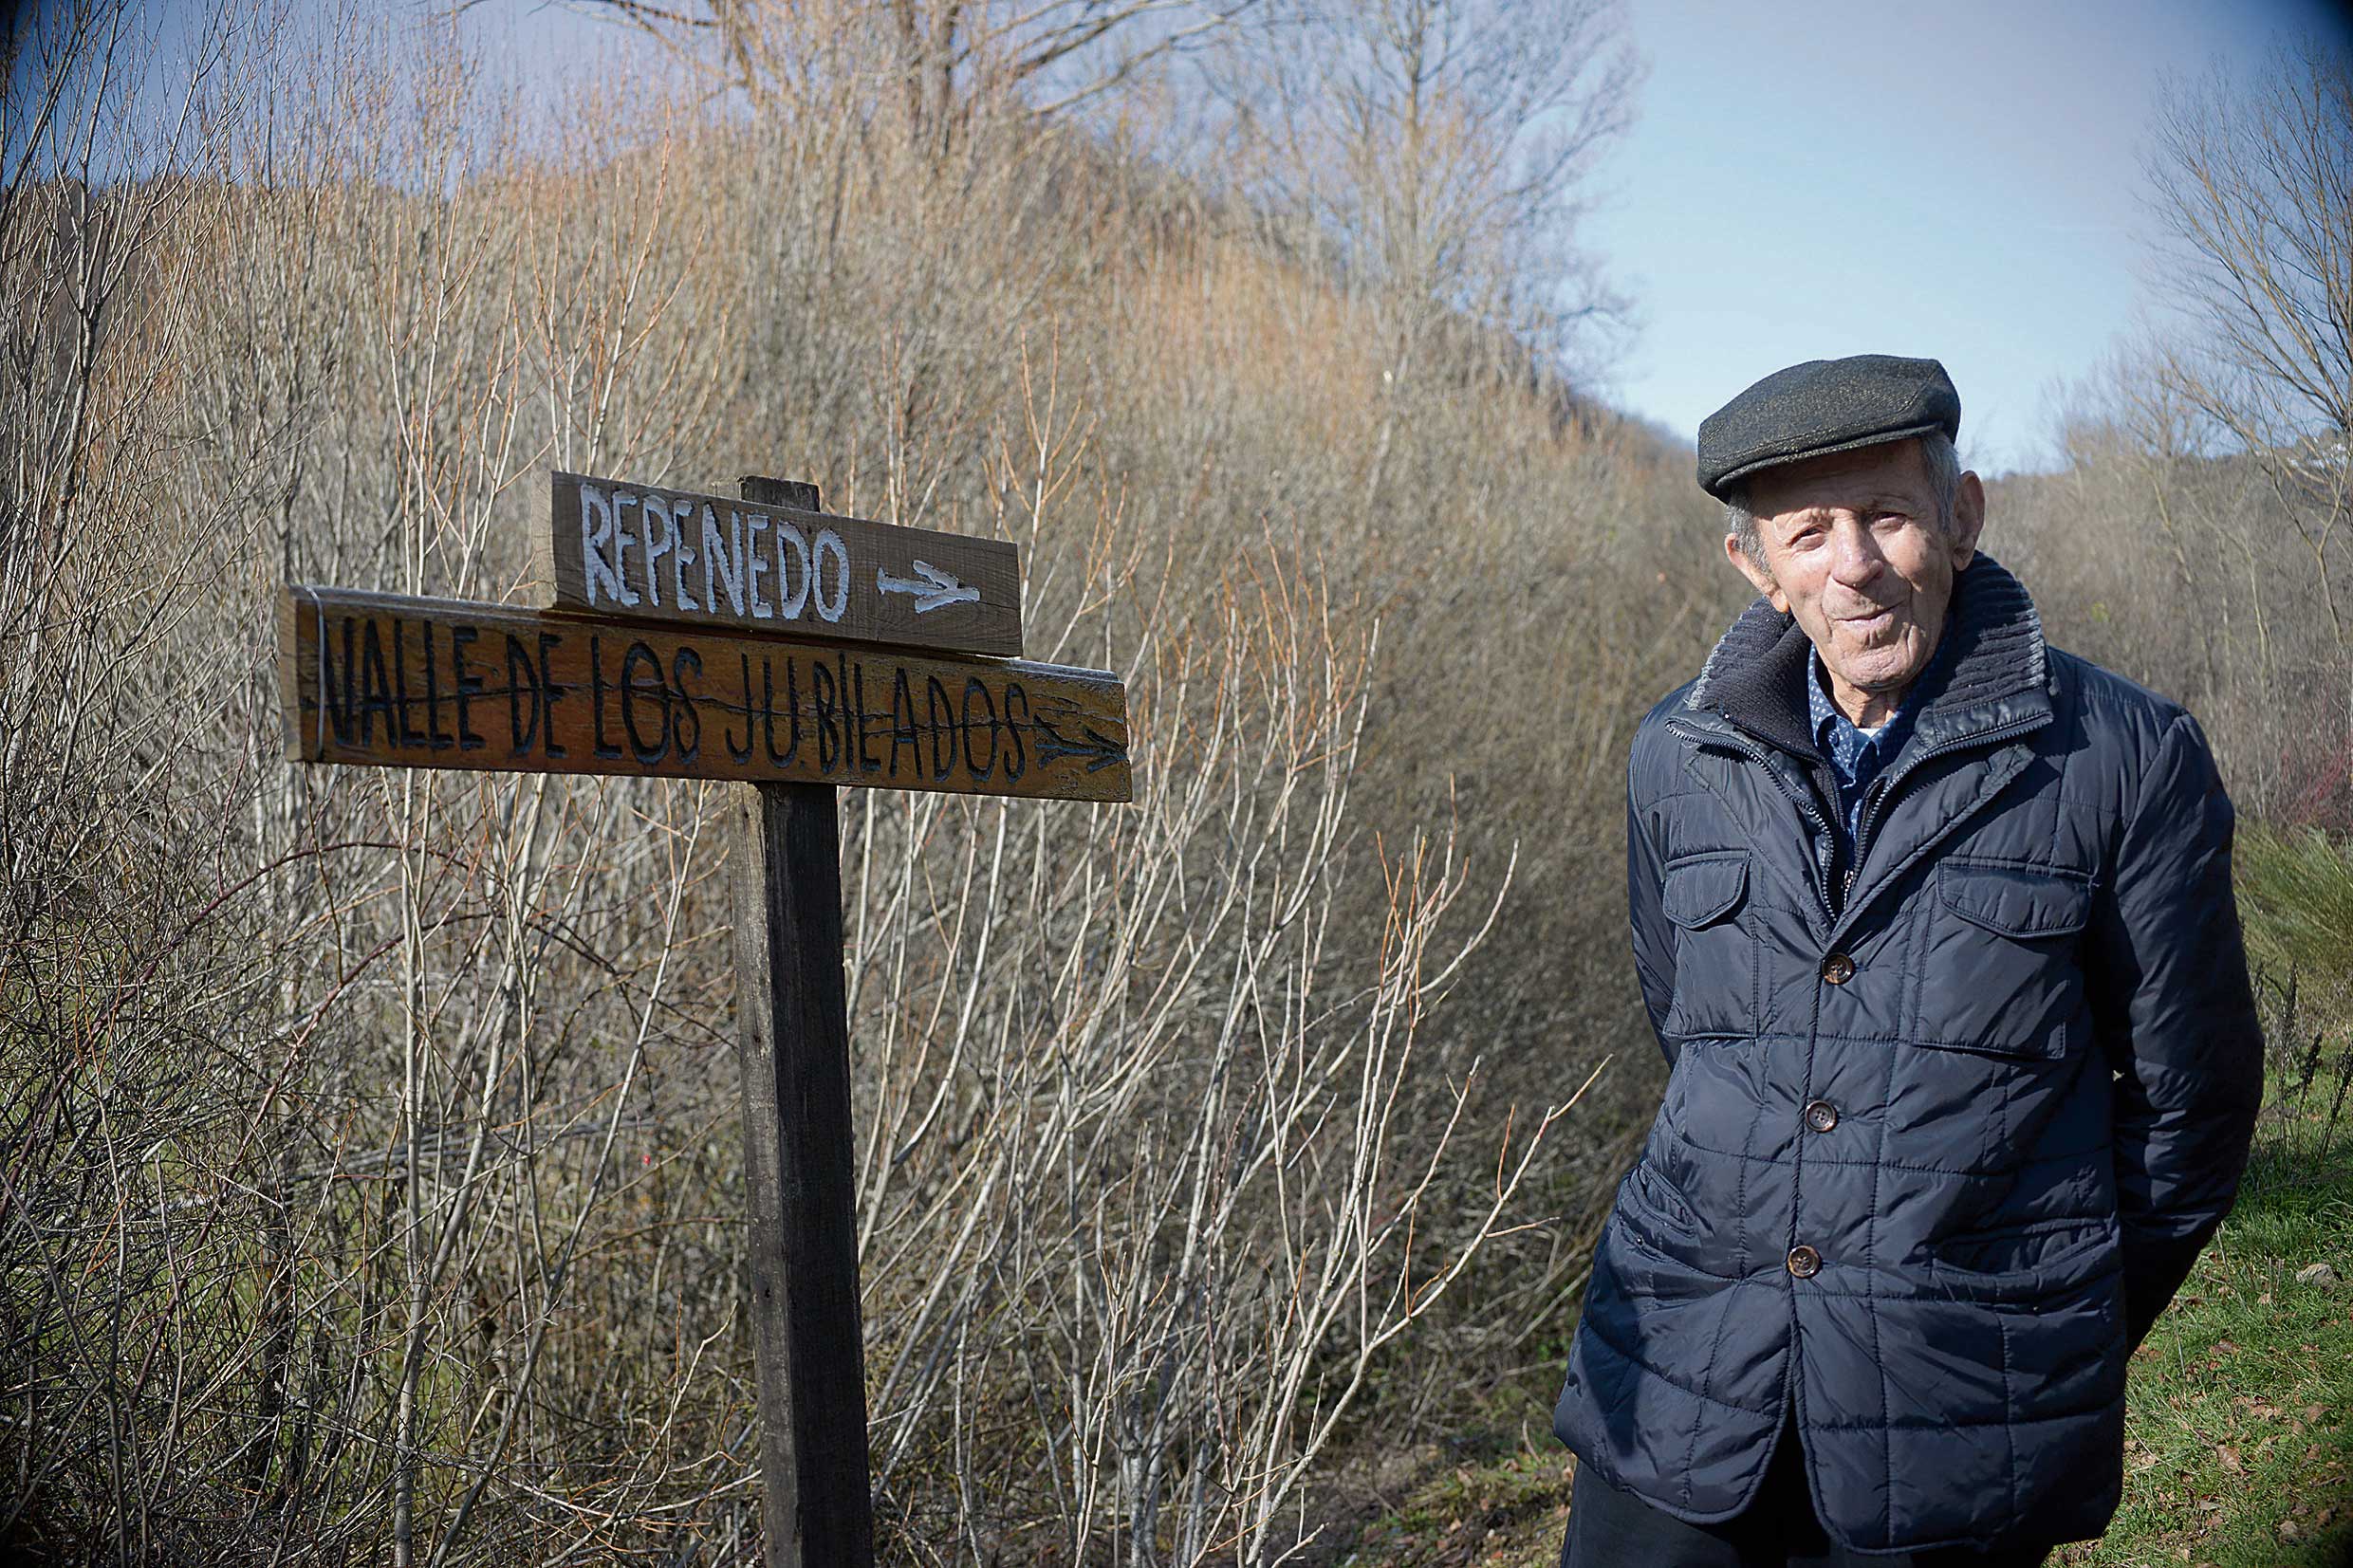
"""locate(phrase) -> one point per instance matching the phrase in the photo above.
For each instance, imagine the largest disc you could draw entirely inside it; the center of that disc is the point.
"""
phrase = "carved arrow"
(1099, 750)
(936, 589)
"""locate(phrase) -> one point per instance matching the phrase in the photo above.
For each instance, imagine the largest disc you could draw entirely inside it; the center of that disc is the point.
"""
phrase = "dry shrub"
(372, 1138)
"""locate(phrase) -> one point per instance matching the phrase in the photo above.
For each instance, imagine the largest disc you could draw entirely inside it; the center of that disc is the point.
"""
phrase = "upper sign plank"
(620, 549)
(440, 683)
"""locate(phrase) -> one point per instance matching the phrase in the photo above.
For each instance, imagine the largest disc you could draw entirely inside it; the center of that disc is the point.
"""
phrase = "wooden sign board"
(618, 549)
(394, 681)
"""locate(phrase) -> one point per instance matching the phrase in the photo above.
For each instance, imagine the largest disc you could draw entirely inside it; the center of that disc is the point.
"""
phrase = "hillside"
(374, 1146)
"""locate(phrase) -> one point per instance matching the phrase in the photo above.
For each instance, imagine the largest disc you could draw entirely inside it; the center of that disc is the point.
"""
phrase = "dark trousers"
(1609, 1528)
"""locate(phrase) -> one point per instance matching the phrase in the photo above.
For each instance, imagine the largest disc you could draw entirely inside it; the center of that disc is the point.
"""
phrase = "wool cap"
(1824, 406)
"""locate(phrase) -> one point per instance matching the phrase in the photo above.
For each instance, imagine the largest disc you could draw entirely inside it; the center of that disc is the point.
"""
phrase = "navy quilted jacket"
(1942, 1135)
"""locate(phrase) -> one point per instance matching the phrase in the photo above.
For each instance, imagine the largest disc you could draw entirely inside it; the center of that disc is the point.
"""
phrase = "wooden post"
(639, 668)
(795, 1043)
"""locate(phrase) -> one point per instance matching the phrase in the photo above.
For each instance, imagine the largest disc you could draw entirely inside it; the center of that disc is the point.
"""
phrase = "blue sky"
(1808, 179)
(1959, 181)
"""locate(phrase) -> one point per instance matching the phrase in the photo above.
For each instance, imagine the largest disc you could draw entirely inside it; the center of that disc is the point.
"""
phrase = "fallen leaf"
(2230, 1458)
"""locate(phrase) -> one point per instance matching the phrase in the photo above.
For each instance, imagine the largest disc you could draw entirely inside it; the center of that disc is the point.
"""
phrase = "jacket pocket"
(2003, 975)
(2024, 1262)
(2021, 902)
(1657, 1200)
(1704, 888)
(1714, 957)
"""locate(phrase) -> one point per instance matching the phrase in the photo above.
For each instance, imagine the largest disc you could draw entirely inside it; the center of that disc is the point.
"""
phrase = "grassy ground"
(2239, 1439)
(2239, 1449)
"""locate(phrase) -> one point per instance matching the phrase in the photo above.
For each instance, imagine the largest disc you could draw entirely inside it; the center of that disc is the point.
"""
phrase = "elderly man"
(1935, 924)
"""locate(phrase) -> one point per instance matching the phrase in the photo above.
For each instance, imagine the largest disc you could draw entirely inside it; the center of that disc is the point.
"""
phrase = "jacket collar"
(1997, 674)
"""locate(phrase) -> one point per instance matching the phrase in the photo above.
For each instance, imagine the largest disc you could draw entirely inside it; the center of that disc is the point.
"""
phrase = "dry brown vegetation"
(371, 1142)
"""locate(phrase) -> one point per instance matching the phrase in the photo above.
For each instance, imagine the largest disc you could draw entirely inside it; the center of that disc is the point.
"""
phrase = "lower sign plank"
(442, 683)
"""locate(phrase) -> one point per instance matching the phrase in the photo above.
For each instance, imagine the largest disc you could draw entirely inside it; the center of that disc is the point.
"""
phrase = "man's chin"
(1878, 668)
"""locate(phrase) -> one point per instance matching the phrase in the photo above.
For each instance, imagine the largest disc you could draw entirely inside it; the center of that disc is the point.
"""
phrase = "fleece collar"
(1998, 672)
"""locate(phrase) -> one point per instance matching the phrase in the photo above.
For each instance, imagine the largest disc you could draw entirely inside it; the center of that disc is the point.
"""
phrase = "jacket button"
(1804, 1262)
(1838, 969)
(1821, 1115)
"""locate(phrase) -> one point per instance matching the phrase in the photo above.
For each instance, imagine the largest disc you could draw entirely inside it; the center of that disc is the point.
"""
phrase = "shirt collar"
(1828, 719)
(1819, 706)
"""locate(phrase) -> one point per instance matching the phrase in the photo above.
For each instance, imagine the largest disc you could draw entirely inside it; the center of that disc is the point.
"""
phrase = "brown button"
(1821, 1115)
(1838, 969)
(1804, 1262)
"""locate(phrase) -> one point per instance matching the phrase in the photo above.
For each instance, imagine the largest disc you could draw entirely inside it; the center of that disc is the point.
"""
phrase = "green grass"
(1504, 1513)
(2240, 1440)
(2295, 891)
(2240, 1428)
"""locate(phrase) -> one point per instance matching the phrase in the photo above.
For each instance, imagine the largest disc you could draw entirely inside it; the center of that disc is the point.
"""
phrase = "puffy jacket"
(1942, 1136)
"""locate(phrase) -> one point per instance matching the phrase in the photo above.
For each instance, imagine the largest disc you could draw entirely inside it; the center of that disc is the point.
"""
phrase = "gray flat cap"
(1824, 406)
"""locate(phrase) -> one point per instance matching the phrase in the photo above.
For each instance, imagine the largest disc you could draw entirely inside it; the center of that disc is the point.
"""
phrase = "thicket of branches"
(369, 1144)
(2200, 534)
(372, 1143)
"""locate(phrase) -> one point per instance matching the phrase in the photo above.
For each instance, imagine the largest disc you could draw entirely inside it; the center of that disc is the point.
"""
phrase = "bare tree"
(1440, 150)
(2254, 201)
(936, 60)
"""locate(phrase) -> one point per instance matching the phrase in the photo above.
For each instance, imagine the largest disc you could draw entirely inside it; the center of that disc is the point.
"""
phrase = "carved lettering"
(550, 690)
(406, 682)
(522, 682)
(821, 696)
(469, 687)
(631, 686)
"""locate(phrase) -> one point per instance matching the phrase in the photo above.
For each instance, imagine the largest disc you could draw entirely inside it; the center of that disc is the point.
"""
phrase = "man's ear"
(1968, 520)
(1761, 579)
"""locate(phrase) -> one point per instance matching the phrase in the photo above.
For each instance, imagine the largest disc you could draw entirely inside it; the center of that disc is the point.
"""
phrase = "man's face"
(1854, 550)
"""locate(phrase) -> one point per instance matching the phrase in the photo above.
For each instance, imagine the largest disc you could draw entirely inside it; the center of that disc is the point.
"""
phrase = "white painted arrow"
(938, 587)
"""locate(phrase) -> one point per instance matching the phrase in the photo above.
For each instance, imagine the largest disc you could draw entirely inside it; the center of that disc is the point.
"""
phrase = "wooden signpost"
(759, 640)
(440, 683)
(770, 565)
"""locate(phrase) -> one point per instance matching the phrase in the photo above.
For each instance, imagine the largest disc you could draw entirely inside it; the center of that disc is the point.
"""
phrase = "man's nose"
(1855, 557)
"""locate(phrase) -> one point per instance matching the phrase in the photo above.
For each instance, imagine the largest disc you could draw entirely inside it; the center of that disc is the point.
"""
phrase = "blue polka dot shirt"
(1858, 757)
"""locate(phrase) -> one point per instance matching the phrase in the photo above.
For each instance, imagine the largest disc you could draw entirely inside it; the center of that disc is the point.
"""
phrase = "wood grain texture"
(393, 681)
(793, 1043)
(614, 548)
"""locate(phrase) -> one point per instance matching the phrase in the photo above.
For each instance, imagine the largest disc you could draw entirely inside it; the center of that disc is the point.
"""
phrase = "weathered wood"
(793, 1035)
(377, 678)
(600, 686)
(614, 547)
